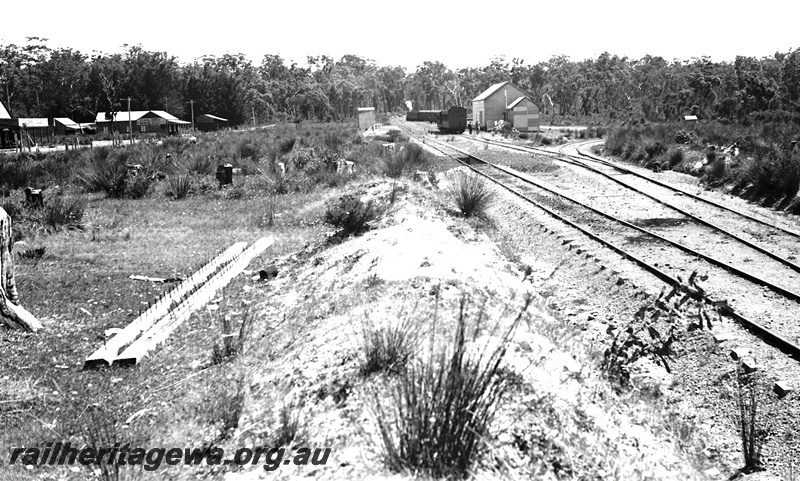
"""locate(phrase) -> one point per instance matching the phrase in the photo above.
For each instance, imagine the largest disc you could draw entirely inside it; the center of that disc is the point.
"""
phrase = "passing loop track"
(765, 333)
(576, 160)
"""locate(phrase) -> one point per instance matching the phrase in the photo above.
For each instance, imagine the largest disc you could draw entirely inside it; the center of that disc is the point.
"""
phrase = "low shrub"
(654, 149)
(17, 173)
(471, 193)
(683, 136)
(786, 176)
(104, 173)
(14, 209)
(716, 171)
(675, 156)
(63, 212)
(404, 158)
(758, 174)
(195, 163)
(351, 215)
(138, 184)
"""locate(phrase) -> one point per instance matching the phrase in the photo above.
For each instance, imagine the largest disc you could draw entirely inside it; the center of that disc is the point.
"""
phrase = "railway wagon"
(423, 116)
(453, 120)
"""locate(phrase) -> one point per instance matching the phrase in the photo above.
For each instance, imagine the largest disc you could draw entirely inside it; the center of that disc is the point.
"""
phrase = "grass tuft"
(750, 433)
(63, 212)
(403, 159)
(443, 406)
(232, 343)
(180, 185)
(388, 348)
(471, 193)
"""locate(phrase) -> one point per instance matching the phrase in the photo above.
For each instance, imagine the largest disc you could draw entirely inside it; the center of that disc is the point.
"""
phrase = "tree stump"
(12, 314)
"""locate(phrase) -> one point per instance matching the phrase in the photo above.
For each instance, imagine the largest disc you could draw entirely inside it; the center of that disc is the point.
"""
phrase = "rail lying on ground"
(153, 326)
(765, 333)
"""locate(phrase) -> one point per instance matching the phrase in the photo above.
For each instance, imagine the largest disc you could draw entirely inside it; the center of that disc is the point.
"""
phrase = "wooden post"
(12, 314)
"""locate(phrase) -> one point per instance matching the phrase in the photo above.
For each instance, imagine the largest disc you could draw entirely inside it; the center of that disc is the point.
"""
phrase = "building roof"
(3, 112)
(689, 117)
(365, 109)
(213, 117)
(69, 123)
(486, 93)
(514, 103)
(122, 116)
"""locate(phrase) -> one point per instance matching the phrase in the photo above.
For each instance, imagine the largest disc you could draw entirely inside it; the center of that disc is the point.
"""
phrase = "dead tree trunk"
(12, 314)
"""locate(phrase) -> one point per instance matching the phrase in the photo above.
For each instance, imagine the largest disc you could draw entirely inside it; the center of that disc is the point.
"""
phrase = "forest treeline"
(39, 81)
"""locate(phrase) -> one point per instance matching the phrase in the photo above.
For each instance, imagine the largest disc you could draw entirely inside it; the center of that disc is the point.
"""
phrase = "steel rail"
(622, 169)
(750, 277)
(769, 336)
(571, 159)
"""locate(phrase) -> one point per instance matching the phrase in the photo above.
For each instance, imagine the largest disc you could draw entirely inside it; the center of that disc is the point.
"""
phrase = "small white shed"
(366, 117)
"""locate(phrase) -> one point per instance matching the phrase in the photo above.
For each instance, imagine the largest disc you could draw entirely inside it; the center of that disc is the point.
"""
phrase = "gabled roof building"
(505, 101)
(208, 122)
(142, 122)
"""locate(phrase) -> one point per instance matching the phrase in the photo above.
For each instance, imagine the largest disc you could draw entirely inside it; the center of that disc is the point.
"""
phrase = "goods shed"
(493, 104)
(142, 122)
(208, 123)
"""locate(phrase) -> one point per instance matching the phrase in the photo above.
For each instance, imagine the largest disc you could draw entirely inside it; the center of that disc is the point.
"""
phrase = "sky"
(407, 33)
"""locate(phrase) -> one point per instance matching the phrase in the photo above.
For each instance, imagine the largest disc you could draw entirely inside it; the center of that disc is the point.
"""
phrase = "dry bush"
(351, 215)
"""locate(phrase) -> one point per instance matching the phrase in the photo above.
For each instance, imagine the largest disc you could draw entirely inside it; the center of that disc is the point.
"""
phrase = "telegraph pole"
(130, 122)
(191, 102)
(254, 115)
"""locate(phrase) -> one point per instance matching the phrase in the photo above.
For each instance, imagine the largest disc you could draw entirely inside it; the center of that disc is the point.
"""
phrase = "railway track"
(648, 247)
(786, 240)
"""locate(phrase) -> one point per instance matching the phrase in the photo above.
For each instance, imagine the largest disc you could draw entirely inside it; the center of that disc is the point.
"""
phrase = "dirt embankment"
(559, 419)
